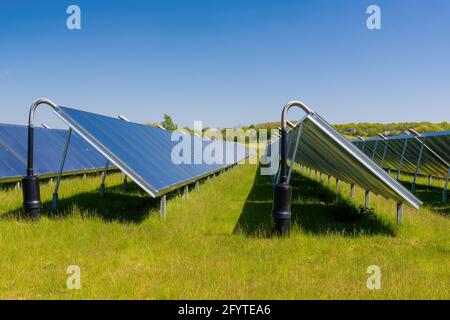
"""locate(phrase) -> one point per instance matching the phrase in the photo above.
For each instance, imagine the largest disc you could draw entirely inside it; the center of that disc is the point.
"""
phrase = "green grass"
(217, 244)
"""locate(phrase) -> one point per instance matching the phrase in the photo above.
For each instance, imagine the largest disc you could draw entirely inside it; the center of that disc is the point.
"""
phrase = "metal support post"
(419, 160)
(444, 192)
(61, 169)
(386, 143)
(399, 213)
(163, 207)
(294, 152)
(402, 159)
(352, 191)
(102, 185)
(186, 192)
(367, 199)
(374, 150)
(125, 183)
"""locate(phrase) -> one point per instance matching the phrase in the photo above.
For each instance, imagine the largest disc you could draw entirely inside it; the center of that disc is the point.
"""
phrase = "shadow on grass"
(431, 197)
(131, 206)
(316, 209)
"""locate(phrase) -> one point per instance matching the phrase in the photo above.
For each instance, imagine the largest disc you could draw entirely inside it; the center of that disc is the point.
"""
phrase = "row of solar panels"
(426, 154)
(146, 154)
(314, 143)
(49, 147)
(143, 153)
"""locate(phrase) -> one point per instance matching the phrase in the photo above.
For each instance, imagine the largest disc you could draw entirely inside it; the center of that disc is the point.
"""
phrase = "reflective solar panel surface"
(322, 148)
(48, 153)
(144, 153)
(404, 153)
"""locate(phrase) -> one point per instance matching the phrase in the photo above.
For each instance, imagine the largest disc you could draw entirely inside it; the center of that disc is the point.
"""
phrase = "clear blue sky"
(227, 62)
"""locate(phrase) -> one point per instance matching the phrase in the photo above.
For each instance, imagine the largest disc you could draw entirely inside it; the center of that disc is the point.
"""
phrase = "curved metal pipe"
(35, 104)
(33, 107)
(289, 105)
(283, 131)
(281, 210)
(30, 183)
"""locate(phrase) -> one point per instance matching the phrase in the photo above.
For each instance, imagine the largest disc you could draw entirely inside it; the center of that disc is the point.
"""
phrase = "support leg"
(445, 192)
(163, 207)
(125, 183)
(402, 158)
(61, 168)
(197, 186)
(352, 192)
(102, 185)
(367, 198)
(186, 192)
(337, 185)
(419, 159)
(413, 187)
(399, 213)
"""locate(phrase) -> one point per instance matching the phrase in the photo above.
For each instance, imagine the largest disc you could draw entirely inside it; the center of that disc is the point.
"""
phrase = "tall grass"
(217, 244)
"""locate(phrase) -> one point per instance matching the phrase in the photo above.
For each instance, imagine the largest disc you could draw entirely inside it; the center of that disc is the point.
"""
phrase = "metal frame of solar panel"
(81, 158)
(425, 154)
(142, 152)
(314, 143)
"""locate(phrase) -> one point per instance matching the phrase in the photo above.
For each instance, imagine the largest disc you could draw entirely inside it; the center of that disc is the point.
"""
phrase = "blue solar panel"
(49, 146)
(144, 153)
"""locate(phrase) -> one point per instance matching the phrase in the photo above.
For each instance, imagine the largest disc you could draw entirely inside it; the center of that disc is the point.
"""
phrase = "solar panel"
(144, 153)
(314, 143)
(440, 143)
(404, 153)
(322, 148)
(81, 156)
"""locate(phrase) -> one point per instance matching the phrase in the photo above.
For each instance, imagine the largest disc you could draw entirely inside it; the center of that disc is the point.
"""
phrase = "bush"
(345, 211)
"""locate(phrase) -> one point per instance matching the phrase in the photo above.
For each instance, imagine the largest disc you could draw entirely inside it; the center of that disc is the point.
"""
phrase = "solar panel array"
(314, 143)
(49, 147)
(428, 154)
(145, 153)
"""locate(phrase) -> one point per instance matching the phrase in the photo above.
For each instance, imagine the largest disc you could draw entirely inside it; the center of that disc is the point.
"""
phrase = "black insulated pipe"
(30, 183)
(31, 196)
(282, 195)
(281, 211)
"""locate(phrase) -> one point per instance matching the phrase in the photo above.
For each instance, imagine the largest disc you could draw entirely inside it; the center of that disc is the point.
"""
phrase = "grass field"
(217, 244)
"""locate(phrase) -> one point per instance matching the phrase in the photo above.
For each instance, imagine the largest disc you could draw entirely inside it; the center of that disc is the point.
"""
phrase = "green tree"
(168, 123)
